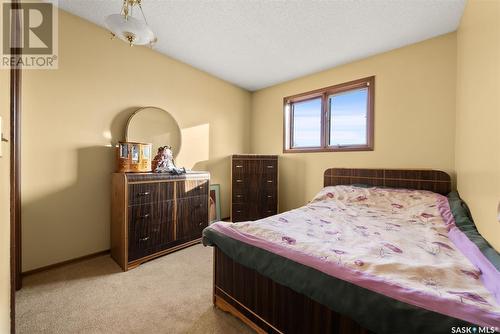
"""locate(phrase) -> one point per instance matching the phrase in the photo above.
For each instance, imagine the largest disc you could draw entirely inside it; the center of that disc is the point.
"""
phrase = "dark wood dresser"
(154, 214)
(254, 189)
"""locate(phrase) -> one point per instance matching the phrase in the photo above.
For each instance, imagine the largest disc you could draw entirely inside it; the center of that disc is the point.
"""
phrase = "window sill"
(329, 149)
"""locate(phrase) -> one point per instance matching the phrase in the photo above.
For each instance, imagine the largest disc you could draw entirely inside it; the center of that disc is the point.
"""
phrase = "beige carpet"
(172, 294)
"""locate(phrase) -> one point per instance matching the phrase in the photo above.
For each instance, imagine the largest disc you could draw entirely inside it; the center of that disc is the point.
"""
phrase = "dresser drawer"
(251, 187)
(239, 180)
(239, 196)
(143, 226)
(192, 188)
(142, 193)
(151, 227)
(271, 208)
(166, 191)
(239, 212)
(270, 167)
(247, 167)
(271, 196)
(143, 213)
(192, 217)
(269, 181)
(238, 167)
(201, 214)
(252, 167)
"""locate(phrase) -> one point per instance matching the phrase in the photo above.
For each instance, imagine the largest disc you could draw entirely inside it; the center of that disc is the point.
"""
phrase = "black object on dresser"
(254, 190)
(155, 214)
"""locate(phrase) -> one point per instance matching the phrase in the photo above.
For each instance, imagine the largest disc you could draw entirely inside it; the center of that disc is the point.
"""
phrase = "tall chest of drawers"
(254, 186)
(155, 214)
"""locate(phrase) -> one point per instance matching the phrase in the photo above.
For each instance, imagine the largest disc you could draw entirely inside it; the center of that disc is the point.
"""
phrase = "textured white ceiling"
(259, 43)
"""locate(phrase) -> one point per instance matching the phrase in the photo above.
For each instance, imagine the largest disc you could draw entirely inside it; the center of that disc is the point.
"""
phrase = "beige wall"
(72, 115)
(414, 117)
(4, 207)
(478, 114)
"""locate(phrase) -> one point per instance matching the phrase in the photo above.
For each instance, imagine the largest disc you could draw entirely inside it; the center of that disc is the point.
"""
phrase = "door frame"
(15, 168)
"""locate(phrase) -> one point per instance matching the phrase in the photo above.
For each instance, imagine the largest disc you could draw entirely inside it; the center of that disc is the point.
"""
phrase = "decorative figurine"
(164, 162)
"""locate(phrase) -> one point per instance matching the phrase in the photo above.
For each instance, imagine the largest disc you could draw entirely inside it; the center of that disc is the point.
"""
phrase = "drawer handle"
(270, 166)
(239, 196)
(270, 211)
(269, 181)
(238, 211)
(146, 193)
(200, 187)
(239, 181)
(145, 216)
(269, 196)
(239, 166)
(144, 239)
(200, 224)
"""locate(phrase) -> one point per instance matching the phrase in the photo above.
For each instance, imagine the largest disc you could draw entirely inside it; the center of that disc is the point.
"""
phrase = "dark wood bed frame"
(268, 307)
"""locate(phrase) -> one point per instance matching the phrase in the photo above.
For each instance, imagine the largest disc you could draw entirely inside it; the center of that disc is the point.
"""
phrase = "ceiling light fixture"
(128, 28)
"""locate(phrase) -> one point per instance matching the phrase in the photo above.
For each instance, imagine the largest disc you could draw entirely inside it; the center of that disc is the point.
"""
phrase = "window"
(336, 118)
(307, 123)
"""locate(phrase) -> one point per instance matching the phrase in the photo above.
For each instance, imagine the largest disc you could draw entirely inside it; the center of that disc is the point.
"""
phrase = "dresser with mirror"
(154, 214)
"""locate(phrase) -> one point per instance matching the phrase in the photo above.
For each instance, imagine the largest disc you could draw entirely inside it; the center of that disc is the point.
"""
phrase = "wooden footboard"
(268, 307)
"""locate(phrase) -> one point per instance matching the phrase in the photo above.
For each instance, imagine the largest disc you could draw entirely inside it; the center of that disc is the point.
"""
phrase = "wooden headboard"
(433, 180)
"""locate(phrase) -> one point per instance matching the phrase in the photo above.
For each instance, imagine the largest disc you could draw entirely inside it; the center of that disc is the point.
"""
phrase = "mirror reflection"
(156, 126)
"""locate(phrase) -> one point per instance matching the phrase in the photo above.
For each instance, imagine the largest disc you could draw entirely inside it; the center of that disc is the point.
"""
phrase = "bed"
(299, 272)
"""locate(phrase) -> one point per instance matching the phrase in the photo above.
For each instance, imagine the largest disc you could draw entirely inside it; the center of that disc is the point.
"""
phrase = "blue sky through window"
(348, 118)
(307, 123)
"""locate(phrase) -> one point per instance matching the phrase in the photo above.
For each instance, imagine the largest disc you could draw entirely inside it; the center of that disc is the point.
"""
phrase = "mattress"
(386, 257)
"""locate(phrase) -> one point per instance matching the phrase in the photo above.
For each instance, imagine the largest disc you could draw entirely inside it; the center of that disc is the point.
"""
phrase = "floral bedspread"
(393, 241)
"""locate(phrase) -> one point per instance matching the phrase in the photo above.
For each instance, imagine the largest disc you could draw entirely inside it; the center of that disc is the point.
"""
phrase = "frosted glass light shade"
(130, 30)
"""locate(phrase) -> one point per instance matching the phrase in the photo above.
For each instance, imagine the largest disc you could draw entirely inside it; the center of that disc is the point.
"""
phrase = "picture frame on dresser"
(214, 199)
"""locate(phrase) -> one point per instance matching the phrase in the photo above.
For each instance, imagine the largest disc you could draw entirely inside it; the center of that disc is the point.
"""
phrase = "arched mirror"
(156, 126)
